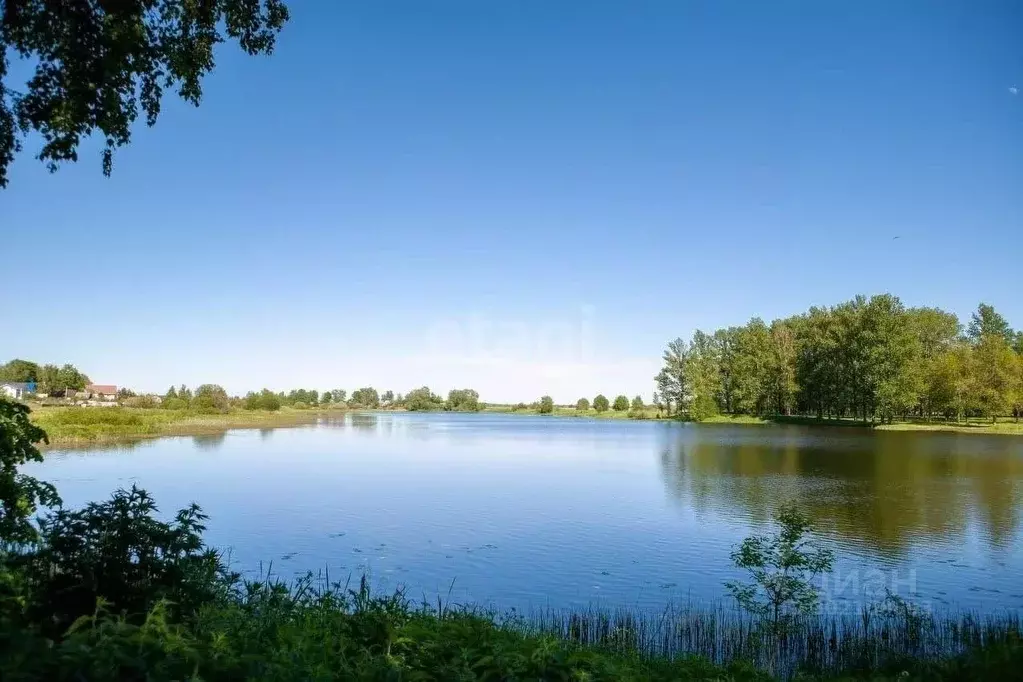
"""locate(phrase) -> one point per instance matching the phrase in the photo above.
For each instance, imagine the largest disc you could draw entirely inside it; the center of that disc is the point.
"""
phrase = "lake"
(532, 512)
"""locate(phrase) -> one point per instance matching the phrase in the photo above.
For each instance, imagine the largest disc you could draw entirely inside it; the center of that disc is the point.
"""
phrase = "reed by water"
(878, 638)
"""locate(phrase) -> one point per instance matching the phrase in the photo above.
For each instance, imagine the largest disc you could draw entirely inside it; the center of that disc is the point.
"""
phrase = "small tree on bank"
(637, 403)
(583, 405)
(264, 400)
(600, 403)
(621, 404)
(211, 398)
(546, 405)
(782, 567)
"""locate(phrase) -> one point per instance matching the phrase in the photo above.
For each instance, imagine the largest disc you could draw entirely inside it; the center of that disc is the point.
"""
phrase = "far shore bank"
(83, 426)
(80, 426)
(1004, 426)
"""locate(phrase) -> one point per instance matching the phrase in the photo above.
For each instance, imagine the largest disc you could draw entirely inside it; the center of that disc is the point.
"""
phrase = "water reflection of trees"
(209, 441)
(363, 421)
(880, 490)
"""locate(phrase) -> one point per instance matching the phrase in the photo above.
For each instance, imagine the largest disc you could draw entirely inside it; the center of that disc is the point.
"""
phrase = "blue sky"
(527, 196)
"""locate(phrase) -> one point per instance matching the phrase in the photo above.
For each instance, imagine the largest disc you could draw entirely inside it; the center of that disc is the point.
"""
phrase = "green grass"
(976, 426)
(1002, 426)
(87, 425)
(269, 631)
(735, 419)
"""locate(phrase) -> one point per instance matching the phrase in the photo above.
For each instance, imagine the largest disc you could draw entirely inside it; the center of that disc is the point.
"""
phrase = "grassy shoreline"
(568, 411)
(1002, 427)
(80, 426)
(71, 426)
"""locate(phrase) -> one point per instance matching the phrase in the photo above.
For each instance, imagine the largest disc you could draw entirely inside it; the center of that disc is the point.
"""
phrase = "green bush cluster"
(546, 405)
(264, 400)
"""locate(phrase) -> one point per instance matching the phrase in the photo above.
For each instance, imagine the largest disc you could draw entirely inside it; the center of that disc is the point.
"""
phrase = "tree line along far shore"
(871, 359)
(62, 383)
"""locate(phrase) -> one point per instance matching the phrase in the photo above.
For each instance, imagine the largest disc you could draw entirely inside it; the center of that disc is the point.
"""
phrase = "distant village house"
(105, 392)
(17, 389)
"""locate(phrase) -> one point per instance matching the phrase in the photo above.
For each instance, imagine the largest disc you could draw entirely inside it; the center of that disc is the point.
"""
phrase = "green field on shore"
(90, 425)
(70, 426)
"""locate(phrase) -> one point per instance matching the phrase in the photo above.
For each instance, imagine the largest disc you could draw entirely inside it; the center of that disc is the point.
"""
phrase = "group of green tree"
(419, 399)
(53, 381)
(869, 359)
(49, 379)
(205, 398)
(602, 404)
(423, 399)
(182, 397)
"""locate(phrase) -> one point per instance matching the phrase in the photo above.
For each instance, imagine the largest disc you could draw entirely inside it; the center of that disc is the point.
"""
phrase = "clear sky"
(528, 196)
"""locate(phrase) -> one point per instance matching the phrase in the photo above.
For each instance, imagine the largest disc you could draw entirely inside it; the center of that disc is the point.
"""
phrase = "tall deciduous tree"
(463, 400)
(99, 65)
(49, 382)
(546, 405)
(987, 322)
(367, 397)
(724, 339)
(751, 360)
(71, 378)
(781, 368)
(20, 371)
(672, 382)
(211, 397)
(892, 356)
(997, 376)
(421, 399)
(701, 378)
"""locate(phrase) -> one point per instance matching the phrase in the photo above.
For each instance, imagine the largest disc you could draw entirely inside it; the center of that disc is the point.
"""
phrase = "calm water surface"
(530, 512)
